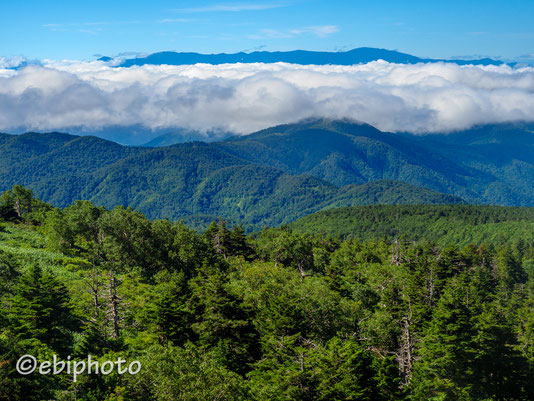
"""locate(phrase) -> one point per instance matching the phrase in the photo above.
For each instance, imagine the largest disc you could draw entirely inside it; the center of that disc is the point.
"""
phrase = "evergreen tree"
(344, 370)
(285, 372)
(223, 322)
(40, 311)
(448, 350)
(509, 268)
(238, 243)
(172, 310)
(8, 274)
(500, 371)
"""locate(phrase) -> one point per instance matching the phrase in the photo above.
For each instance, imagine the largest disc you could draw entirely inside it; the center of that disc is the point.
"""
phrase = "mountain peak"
(342, 126)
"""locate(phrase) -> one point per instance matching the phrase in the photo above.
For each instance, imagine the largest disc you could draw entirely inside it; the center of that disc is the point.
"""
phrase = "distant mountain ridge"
(184, 135)
(304, 57)
(279, 174)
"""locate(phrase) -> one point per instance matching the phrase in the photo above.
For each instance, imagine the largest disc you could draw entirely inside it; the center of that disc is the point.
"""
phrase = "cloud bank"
(242, 98)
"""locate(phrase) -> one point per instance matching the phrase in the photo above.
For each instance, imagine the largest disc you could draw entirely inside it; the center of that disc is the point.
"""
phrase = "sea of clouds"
(242, 98)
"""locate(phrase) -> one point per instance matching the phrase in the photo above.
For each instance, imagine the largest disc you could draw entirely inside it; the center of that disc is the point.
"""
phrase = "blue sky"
(441, 29)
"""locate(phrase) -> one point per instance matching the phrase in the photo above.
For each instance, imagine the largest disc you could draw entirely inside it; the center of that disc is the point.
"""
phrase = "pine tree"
(238, 243)
(40, 310)
(222, 321)
(448, 349)
(172, 310)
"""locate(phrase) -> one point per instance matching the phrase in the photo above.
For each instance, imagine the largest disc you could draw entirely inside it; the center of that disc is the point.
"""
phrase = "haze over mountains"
(279, 174)
(184, 135)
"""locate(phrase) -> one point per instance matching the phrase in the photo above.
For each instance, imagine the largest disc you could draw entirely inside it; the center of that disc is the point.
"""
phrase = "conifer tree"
(40, 310)
(448, 348)
(222, 321)
(238, 243)
(172, 310)
(8, 273)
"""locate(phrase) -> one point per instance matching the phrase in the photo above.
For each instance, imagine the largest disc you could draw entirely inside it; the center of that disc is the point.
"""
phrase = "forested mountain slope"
(181, 181)
(279, 174)
(490, 164)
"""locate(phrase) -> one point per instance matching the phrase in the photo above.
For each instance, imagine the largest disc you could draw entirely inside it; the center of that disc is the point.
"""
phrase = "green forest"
(327, 308)
(443, 224)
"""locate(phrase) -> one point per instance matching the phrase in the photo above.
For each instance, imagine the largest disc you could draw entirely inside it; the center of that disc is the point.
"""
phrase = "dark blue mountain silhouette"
(355, 56)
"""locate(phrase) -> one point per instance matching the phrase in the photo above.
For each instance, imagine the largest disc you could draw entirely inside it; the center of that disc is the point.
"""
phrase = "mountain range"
(279, 174)
(354, 56)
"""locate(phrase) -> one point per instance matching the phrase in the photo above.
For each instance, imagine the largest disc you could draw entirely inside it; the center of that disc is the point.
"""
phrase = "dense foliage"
(442, 224)
(280, 316)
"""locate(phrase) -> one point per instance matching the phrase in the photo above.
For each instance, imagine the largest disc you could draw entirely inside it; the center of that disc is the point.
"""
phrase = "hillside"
(182, 181)
(280, 174)
(459, 224)
(491, 164)
(389, 192)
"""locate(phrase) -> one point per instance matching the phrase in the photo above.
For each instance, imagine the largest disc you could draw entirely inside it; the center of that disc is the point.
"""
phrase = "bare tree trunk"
(405, 355)
(396, 257)
(18, 207)
(301, 270)
(94, 290)
(113, 304)
(431, 286)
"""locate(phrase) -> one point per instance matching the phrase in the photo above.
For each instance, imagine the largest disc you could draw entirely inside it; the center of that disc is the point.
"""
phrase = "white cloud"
(171, 20)
(318, 30)
(242, 98)
(230, 7)
(271, 34)
(12, 62)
